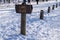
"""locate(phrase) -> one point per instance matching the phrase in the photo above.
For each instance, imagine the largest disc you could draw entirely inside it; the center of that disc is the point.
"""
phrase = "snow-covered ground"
(36, 29)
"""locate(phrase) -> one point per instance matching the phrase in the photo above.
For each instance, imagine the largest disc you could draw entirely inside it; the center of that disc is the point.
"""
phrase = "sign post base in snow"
(41, 14)
(48, 9)
(23, 9)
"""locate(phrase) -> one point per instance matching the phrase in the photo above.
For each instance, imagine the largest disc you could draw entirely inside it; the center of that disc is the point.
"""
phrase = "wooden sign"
(23, 8)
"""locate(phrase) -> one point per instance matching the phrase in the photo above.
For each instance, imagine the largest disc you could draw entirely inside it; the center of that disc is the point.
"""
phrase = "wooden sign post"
(23, 19)
(23, 9)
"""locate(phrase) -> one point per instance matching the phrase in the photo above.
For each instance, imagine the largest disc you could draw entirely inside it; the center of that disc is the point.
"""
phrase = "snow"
(36, 29)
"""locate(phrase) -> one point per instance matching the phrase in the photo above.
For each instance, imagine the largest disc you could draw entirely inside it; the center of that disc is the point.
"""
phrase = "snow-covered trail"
(36, 29)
